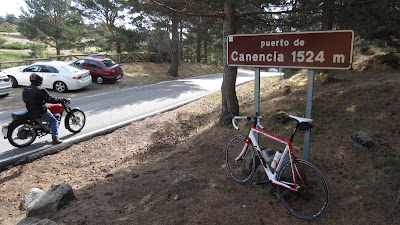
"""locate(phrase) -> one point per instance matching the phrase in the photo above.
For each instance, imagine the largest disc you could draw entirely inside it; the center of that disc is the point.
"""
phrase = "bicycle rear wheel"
(242, 169)
(312, 198)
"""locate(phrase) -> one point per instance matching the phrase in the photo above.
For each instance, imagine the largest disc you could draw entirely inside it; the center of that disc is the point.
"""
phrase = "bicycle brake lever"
(234, 124)
(259, 125)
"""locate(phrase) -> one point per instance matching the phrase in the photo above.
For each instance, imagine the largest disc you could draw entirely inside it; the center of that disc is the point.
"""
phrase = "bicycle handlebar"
(235, 118)
(257, 117)
(252, 117)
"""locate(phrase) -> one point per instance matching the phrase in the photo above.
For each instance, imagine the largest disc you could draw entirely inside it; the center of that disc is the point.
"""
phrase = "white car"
(57, 75)
(5, 85)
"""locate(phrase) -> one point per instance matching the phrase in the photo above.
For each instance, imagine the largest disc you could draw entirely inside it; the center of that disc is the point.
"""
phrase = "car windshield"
(72, 69)
(108, 62)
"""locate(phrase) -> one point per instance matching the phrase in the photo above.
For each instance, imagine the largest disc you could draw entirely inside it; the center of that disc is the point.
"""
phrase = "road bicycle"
(301, 186)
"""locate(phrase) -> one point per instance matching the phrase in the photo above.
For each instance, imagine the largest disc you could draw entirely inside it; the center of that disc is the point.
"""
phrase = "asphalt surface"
(108, 111)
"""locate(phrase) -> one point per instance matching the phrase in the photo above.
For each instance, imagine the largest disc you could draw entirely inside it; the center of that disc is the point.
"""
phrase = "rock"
(361, 140)
(185, 177)
(288, 90)
(109, 175)
(36, 221)
(281, 117)
(33, 194)
(329, 79)
(46, 205)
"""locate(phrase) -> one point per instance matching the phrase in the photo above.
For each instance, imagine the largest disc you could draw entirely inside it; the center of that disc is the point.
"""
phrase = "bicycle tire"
(312, 200)
(241, 170)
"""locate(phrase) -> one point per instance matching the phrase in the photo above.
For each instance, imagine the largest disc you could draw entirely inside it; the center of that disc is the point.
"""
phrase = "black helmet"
(36, 78)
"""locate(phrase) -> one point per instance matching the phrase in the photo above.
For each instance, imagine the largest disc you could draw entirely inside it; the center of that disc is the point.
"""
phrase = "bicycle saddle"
(301, 119)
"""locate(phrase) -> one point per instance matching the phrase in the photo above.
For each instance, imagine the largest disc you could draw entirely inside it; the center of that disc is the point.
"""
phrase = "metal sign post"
(257, 94)
(310, 91)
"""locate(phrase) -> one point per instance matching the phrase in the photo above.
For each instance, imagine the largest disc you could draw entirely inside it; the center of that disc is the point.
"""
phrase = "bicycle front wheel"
(241, 169)
(312, 198)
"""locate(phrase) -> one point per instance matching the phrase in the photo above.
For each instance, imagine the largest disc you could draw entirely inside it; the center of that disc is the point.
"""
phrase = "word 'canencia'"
(248, 57)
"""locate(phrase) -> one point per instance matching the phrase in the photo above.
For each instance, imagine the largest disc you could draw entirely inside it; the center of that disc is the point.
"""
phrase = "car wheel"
(60, 86)
(99, 80)
(14, 82)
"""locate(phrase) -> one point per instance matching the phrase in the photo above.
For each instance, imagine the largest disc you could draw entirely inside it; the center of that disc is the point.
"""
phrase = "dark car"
(101, 68)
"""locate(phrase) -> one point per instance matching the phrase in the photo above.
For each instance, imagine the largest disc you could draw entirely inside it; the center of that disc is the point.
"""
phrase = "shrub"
(7, 27)
(37, 50)
(368, 50)
(15, 45)
(154, 58)
(288, 73)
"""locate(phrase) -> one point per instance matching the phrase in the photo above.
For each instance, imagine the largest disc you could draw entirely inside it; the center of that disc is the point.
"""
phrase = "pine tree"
(52, 22)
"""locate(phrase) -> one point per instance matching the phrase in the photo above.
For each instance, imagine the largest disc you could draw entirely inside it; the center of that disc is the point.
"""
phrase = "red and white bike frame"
(251, 139)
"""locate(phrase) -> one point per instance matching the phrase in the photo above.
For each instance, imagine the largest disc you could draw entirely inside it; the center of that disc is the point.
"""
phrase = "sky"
(11, 7)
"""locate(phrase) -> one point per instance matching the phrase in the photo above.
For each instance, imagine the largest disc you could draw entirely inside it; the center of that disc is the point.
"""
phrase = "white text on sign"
(281, 43)
(297, 56)
(310, 50)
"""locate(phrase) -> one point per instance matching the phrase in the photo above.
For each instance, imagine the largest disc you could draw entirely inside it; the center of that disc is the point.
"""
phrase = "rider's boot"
(56, 141)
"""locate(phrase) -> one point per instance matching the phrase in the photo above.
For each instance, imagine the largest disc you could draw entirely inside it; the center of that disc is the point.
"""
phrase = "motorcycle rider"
(36, 98)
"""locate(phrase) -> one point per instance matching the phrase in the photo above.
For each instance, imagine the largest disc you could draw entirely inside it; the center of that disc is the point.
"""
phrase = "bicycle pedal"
(255, 184)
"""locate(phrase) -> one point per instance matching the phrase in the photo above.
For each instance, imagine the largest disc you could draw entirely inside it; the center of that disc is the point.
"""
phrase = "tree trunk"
(205, 52)
(173, 69)
(181, 42)
(198, 49)
(58, 49)
(118, 47)
(230, 104)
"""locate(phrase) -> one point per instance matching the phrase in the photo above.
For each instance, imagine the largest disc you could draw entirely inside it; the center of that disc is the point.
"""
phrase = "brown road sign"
(310, 50)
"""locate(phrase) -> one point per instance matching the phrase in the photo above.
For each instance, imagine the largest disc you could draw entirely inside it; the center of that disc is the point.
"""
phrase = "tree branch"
(210, 14)
(220, 15)
(302, 10)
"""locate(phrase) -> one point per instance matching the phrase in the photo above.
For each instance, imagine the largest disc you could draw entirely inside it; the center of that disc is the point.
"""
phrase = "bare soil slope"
(170, 169)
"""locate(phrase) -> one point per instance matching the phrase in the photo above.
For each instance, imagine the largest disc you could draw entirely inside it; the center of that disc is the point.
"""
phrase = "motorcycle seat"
(21, 115)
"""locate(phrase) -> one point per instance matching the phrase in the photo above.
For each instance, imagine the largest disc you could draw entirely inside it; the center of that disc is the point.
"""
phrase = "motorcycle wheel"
(75, 120)
(21, 134)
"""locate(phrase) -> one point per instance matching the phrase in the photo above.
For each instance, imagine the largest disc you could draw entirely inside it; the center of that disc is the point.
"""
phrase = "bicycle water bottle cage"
(304, 127)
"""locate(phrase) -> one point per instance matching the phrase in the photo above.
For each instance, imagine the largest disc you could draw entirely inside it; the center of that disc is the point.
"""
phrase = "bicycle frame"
(288, 149)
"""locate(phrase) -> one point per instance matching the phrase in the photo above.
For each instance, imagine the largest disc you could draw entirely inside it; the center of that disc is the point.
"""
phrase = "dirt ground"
(170, 169)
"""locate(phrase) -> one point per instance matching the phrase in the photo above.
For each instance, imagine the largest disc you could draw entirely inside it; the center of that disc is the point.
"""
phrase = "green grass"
(6, 56)
(391, 164)
(12, 56)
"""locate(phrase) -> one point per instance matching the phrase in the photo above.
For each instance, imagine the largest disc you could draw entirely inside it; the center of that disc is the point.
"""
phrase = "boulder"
(281, 117)
(29, 197)
(36, 221)
(46, 205)
(361, 140)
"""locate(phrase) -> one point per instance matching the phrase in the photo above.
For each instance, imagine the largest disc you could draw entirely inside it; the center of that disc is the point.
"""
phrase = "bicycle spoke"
(312, 196)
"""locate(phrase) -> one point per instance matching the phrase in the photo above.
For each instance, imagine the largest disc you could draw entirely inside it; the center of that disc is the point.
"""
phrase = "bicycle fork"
(244, 149)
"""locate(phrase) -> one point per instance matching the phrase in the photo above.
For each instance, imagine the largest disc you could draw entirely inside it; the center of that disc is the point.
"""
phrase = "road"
(116, 108)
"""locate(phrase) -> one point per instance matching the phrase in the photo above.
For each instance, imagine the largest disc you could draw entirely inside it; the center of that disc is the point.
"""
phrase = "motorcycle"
(24, 129)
